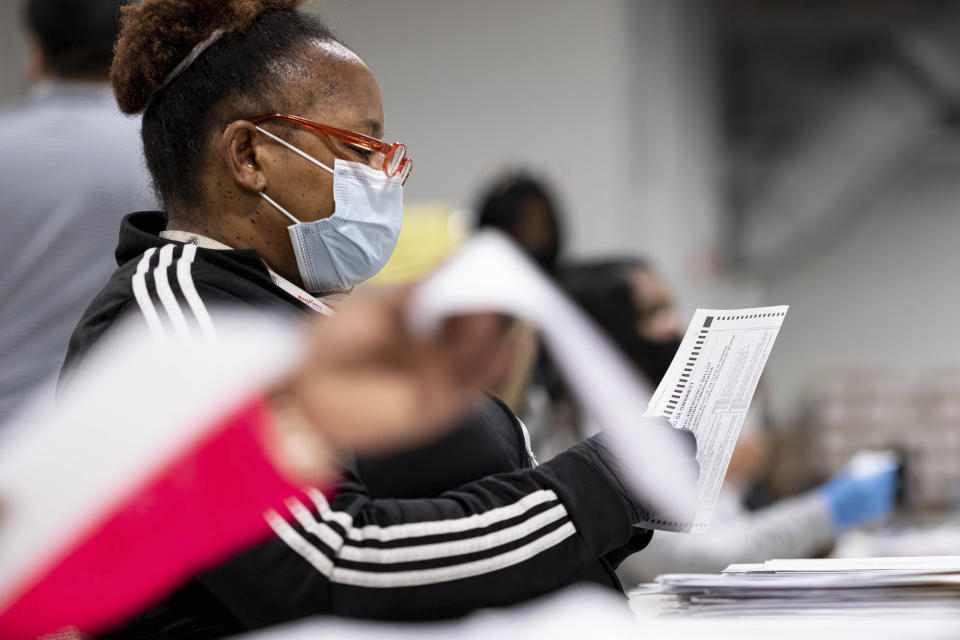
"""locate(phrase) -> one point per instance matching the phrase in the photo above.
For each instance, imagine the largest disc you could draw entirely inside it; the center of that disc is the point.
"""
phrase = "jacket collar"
(141, 231)
(320, 305)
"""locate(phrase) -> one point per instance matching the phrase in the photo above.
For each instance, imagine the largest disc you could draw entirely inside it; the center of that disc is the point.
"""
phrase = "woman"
(463, 523)
(631, 303)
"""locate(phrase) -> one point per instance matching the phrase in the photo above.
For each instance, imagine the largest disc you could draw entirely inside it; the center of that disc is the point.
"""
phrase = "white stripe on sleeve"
(298, 543)
(342, 547)
(413, 578)
(421, 577)
(421, 552)
(433, 527)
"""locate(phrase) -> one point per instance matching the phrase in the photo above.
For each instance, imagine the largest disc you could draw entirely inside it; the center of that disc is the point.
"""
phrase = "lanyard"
(311, 301)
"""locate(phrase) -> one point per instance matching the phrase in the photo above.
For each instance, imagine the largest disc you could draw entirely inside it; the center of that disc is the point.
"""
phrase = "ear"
(243, 155)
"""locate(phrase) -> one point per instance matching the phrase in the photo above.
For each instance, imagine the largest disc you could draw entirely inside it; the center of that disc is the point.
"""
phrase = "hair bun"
(156, 35)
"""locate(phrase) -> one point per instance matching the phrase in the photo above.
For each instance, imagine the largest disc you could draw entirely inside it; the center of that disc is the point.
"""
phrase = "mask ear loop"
(278, 207)
(299, 153)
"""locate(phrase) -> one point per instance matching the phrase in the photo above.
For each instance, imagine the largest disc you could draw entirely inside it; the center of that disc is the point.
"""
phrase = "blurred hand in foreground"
(366, 384)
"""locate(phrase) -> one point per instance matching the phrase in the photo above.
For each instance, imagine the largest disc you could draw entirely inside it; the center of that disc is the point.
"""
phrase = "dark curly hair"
(241, 75)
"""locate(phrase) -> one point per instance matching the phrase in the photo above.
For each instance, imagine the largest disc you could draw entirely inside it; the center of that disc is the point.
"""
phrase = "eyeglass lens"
(396, 159)
(405, 170)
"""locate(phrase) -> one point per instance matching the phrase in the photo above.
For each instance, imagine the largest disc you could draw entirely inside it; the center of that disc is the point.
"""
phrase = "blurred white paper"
(98, 437)
(708, 389)
(489, 274)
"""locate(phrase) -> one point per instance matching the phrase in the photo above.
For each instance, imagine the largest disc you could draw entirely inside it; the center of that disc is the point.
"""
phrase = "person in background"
(71, 167)
(633, 305)
(261, 131)
(629, 303)
(522, 207)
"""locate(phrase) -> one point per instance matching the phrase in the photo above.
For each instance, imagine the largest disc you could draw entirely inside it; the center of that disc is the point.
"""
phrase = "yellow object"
(430, 232)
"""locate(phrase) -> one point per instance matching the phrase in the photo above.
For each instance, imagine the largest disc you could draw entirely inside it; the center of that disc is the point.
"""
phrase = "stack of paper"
(924, 586)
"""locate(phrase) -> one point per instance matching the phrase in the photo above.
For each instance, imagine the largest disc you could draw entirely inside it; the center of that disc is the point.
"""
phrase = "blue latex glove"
(857, 499)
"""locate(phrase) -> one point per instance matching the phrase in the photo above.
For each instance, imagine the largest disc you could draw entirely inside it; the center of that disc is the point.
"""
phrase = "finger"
(363, 327)
(466, 344)
(497, 361)
(477, 352)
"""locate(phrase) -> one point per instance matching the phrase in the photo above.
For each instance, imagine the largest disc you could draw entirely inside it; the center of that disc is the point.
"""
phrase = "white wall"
(674, 212)
(473, 87)
(611, 99)
(884, 292)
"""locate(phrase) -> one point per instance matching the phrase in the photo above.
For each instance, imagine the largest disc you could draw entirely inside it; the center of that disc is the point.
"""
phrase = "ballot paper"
(708, 389)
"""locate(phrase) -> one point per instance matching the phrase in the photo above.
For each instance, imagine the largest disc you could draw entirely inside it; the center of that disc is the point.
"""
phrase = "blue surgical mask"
(353, 244)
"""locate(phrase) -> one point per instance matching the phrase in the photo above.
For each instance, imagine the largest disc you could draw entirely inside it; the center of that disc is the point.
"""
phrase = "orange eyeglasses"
(395, 160)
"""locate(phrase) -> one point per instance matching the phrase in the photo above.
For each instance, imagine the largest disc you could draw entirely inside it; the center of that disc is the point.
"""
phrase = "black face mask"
(653, 358)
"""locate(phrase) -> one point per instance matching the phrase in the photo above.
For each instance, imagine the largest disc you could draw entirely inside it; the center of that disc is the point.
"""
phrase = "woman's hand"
(366, 384)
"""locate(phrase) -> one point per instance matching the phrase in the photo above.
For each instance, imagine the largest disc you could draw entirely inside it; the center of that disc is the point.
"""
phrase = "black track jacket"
(464, 523)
